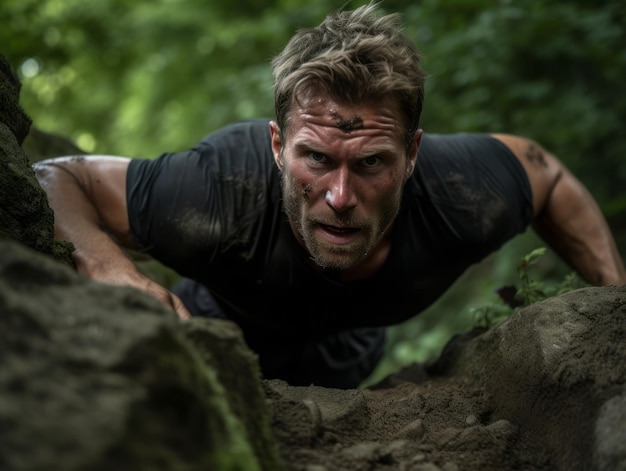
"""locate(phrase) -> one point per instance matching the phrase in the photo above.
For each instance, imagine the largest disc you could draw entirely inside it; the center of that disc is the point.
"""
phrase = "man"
(316, 230)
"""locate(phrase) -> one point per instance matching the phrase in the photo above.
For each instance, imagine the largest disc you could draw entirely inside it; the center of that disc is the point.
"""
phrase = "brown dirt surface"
(543, 390)
(437, 425)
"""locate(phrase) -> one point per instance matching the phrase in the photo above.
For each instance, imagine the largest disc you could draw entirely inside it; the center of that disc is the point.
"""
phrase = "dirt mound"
(543, 390)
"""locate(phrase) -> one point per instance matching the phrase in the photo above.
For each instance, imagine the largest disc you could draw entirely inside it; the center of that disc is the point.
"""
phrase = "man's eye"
(317, 157)
(371, 161)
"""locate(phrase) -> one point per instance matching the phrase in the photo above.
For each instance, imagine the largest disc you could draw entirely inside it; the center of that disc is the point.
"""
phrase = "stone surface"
(220, 344)
(100, 377)
(25, 214)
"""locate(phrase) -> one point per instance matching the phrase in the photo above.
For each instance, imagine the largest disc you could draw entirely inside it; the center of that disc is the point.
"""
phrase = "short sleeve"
(187, 209)
(476, 189)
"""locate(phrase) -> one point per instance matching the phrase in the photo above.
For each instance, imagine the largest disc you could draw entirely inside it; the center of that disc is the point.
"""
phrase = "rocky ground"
(96, 377)
(541, 391)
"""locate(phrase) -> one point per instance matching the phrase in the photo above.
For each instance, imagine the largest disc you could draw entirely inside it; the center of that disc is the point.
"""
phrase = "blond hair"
(355, 56)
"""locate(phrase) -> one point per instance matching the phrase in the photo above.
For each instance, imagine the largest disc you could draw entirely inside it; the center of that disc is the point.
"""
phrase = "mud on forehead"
(349, 124)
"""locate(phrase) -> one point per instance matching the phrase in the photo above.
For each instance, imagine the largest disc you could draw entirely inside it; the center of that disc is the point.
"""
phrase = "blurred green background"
(145, 77)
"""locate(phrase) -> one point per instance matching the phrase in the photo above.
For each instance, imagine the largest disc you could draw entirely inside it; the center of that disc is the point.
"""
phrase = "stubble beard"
(331, 256)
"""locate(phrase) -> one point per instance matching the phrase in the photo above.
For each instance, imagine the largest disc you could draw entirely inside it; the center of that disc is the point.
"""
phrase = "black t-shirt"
(214, 214)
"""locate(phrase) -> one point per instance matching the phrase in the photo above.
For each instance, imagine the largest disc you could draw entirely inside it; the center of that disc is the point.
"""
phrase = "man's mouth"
(338, 230)
(337, 235)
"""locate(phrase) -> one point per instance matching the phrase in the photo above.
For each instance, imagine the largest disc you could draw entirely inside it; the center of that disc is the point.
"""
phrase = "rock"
(25, 214)
(221, 345)
(11, 113)
(100, 377)
(556, 369)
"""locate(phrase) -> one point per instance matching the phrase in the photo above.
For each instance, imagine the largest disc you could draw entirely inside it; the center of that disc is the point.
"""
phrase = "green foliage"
(528, 291)
(141, 78)
(145, 77)
(548, 70)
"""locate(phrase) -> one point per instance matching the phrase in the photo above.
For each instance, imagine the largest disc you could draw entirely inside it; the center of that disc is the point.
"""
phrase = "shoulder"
(211, 199)
(522, 147)
(475, 184)
(241, 133)
(470, 157)
(242, 146)
(541, 167)
(462, 146)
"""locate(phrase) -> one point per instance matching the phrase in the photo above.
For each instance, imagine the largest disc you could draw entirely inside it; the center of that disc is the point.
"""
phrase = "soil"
(438, 424)
(543, 390)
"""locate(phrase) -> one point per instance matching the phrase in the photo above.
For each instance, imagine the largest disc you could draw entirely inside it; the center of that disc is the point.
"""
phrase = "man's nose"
(341, 196)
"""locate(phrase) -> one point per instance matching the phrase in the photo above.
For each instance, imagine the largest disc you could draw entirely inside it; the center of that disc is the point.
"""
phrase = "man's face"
(343, 169)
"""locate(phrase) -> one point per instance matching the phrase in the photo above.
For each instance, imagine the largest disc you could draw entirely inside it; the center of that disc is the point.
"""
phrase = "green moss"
(185, 411)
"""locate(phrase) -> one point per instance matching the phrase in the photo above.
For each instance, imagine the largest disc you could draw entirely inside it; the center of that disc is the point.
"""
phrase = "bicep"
(542, 168)
(95, 181)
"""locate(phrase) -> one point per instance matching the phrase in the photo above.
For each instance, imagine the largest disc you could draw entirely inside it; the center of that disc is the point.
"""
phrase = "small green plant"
(528, 292)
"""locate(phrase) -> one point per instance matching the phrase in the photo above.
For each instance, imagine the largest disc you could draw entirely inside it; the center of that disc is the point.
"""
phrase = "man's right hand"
(139, 281)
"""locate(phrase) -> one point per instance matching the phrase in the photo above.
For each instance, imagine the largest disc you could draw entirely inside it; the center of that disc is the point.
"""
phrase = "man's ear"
(277, 145)
(413, 151)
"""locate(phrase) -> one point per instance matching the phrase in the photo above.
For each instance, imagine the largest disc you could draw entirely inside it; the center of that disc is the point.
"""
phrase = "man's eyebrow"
(303, 147)
(378, 150)
(367, 152)
(305, 144)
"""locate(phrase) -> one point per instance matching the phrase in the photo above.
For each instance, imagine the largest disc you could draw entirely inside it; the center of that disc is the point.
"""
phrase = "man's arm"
(567, 217)
(88, 196)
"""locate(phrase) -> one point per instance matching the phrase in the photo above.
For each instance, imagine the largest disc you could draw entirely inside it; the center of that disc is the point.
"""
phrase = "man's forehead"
(348, 124)
(317, 96)
(323, 110)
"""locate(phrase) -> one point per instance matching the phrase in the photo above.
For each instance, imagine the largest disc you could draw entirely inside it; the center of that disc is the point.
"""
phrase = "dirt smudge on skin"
(535, 155)
(348, 125)
(306, 190)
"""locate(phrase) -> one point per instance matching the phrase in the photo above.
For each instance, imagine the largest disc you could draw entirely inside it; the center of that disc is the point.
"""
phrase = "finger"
(179, 307)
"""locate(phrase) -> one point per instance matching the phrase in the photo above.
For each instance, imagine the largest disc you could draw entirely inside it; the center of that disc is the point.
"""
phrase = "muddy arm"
(88, 196)
(567, 217)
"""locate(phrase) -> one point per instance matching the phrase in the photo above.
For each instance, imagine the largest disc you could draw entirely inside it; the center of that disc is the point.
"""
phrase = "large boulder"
(98, 377)
(25, 214)
(557, 369)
